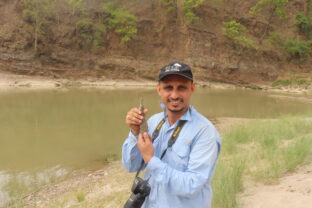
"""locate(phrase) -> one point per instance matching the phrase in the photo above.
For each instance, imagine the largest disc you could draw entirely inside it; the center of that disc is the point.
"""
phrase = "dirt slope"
(162, 36)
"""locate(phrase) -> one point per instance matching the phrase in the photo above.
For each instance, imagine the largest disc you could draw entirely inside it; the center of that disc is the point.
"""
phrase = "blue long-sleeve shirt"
(182, 178)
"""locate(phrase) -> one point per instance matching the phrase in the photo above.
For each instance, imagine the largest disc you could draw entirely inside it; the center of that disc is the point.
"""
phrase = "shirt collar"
(187, 116)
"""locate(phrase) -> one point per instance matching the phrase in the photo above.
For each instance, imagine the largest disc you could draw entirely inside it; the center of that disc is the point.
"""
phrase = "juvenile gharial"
(143, 126)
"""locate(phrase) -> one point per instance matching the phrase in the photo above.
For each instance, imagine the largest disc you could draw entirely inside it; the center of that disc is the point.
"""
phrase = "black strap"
(157, 129)
(174, 136)
(171, 141)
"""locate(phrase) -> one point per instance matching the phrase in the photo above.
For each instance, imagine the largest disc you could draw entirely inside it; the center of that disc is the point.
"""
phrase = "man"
(181, 179)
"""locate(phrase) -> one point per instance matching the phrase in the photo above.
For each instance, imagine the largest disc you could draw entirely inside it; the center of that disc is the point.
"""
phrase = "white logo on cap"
(175, 67)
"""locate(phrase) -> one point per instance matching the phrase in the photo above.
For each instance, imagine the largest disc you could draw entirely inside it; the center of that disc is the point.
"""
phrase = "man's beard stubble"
(178, 110)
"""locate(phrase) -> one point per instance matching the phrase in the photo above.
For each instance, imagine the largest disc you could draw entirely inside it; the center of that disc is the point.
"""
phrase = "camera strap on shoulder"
(174, 136)
(171, 141)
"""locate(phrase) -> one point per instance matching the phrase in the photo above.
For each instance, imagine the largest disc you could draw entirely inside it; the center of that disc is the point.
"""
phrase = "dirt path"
(293, 191)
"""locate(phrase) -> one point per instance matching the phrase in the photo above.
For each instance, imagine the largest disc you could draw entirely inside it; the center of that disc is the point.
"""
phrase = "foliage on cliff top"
(121, 21)
(236, 31)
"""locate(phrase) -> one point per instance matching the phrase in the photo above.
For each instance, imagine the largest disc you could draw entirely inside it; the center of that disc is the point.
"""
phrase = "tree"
(273, 7)
(91, 31)
(236, 32)
(120, 21)
(36, 13)
(189, 7)
(76, 5)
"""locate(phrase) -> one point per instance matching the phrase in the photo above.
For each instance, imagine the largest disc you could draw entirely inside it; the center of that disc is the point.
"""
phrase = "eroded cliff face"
(163, 36)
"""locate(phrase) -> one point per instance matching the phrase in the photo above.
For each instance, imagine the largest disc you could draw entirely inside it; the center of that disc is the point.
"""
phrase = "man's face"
(175, 92)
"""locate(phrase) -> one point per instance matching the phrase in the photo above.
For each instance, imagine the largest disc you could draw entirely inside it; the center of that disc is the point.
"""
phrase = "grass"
(261, 151)
(80, 196)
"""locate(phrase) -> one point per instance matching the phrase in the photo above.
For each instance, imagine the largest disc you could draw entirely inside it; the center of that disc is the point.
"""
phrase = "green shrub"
(302, 82)
(121, 21)
(298, 48)
(189, 7)
(92, 33)
(281, 82)
(304, 24)
(288, 82)
(276, 40)
(76, 5)
(170, 4)
(309, 6)
(80, 196)
(275, 6)
(235, 31)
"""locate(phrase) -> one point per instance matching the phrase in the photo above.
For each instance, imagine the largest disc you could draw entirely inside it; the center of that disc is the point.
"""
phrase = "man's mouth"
(175, 102)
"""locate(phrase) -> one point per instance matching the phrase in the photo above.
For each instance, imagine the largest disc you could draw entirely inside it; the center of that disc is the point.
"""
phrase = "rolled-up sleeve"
(201, 164)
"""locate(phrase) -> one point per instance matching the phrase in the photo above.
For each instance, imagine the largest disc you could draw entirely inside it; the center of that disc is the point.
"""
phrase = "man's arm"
(201, 165)
(131, 155)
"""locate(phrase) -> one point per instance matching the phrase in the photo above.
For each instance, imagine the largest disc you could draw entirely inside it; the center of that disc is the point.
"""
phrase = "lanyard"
(171, 141)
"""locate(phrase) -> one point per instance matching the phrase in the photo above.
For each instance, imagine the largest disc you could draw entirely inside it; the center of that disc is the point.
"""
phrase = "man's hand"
(145, 146)
(134, 118)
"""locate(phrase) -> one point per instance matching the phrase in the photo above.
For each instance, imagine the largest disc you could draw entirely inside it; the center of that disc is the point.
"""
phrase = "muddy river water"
(46, 135)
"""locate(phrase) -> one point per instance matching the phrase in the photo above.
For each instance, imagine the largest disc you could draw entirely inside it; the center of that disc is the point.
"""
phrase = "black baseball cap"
(176, 68)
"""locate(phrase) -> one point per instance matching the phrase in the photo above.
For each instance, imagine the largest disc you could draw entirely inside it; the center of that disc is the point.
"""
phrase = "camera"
(140, 189)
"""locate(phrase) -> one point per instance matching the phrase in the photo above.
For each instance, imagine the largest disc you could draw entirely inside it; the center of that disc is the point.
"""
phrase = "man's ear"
(158, 88)
(193, 87)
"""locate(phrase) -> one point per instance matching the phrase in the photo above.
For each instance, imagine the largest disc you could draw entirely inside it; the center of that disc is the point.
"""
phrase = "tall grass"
(262, 151)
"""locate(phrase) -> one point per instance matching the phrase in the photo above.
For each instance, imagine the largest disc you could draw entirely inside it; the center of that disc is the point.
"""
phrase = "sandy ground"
(13, 81)
(293, 191)
(10, 81)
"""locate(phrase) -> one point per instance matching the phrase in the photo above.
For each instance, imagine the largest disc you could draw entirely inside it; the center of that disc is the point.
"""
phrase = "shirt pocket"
(180, 154)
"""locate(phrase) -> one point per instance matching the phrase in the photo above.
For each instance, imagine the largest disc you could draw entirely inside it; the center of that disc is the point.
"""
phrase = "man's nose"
(174, 94)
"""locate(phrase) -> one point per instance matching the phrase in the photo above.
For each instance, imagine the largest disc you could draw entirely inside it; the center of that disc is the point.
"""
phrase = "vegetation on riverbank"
(261, 151)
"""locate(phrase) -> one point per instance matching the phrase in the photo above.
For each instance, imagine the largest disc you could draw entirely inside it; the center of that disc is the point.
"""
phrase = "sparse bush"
(80, 196)
(121, 21)
(189, 7)
(276, 40)
(304, 24)
(291, 82)
(276, 7)
(235, 31)
(298, 48)
(269, 8)
(92, 33)
(76, 5)
(302, 82)
(170, 4)
(281, 82)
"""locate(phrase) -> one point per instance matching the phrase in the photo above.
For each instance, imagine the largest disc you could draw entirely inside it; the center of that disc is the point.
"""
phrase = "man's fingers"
(145, 111)
(141, 139)
(134, 119)
(147, 138)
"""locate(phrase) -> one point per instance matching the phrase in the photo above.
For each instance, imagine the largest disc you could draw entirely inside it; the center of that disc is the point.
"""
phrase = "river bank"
(10, 81)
